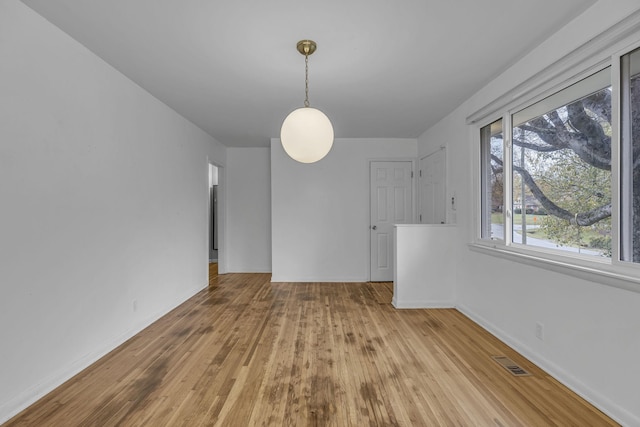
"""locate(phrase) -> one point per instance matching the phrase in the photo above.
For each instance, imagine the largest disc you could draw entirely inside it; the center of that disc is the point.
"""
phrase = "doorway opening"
(214, 220)
(213, 213)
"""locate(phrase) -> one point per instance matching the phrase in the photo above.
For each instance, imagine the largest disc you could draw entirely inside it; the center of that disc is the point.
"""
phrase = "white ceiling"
(383, 68)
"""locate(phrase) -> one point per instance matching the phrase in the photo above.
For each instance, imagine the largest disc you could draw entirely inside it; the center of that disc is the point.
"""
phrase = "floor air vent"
(510, 366)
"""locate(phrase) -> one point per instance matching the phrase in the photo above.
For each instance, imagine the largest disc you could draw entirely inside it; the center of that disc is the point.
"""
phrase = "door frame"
(222, 259)
(368, 189)
(443, 149)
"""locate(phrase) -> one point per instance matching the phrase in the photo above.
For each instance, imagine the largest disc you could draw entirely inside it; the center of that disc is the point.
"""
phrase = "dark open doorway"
(213, 217)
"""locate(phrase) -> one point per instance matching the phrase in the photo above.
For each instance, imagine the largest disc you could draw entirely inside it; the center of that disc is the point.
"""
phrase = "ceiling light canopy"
(306, 133)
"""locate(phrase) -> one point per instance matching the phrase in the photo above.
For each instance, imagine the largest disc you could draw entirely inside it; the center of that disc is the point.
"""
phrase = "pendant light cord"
(306, 80)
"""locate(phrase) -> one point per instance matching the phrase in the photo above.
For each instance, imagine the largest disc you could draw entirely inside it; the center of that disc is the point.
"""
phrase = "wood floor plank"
(249, 352)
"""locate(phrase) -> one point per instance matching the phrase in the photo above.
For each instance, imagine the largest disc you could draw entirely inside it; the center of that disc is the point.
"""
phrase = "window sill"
(598, 271)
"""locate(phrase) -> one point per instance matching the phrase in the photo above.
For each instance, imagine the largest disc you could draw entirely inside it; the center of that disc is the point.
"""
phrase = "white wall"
(213, 175)
(320, 211)
(249, 204)
(104, 198)
(591, 338)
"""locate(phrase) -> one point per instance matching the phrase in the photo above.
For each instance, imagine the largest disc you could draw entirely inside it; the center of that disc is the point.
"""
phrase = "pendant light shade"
(306, 134)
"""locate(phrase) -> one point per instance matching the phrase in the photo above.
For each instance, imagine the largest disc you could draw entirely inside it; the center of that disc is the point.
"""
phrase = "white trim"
(597, 399)
(617, 153)
(222, 217)
(432, 152)
(423, 225)
(592, 270)
(476, 182)
(317, 279)
(616, 199)
(589, 55)
(592, 83)
(507, 176)
(603, 51)
(25, 398)
(412, 304)
(418, 183)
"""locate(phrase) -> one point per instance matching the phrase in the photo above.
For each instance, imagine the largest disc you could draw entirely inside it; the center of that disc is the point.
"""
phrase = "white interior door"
(391, 203)
(433, 199)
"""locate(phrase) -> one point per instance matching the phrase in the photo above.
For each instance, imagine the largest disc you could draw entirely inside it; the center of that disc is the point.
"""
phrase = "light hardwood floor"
(249, 352)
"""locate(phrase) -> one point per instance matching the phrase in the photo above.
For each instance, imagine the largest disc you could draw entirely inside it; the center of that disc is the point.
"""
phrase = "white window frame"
(483, 189)
(509, 158)
(604, 51)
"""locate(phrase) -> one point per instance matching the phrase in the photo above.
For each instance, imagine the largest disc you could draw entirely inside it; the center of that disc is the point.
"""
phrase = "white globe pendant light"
(306, 134)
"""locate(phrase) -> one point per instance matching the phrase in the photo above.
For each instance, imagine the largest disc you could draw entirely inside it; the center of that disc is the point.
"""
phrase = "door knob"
(373, 227)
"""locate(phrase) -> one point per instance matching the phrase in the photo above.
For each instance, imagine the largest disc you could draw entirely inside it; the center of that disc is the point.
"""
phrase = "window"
(558, 159)
(630, 157)
(559, 172)
(561, 163)
(492, 154)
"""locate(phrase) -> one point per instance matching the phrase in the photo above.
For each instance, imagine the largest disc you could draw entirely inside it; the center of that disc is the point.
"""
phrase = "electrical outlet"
(540, 331)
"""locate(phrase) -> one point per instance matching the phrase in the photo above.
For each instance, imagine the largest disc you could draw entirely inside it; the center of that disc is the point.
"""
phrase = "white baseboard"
(603, 403)
(31, 395)
(316, 279)
(421, 304)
